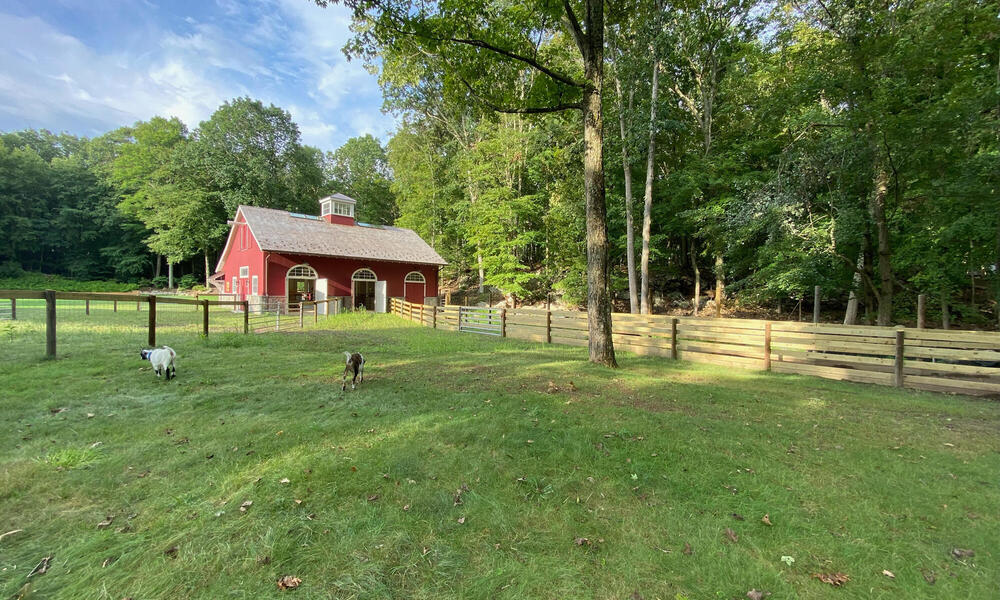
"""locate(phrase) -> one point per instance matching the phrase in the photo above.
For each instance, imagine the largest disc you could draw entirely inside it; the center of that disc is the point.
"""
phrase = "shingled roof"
(292, 233)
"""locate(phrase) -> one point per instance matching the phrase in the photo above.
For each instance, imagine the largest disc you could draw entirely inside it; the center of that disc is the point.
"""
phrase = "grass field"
(472, 467)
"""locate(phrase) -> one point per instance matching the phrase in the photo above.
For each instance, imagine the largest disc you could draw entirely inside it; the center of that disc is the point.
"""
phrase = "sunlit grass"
(640, 461)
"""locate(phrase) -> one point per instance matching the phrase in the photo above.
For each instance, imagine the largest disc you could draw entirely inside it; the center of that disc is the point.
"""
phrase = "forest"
(734, 150)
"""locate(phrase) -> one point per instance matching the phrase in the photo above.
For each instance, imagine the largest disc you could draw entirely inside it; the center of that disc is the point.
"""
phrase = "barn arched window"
(301, 272)
(415, 277)
(364, 275)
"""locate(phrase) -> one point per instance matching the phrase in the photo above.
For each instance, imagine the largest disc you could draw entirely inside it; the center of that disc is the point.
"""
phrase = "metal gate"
(474, 319)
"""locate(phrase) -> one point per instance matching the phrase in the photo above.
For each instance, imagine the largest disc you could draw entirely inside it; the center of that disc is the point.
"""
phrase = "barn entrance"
(300, 284)
(363, 289)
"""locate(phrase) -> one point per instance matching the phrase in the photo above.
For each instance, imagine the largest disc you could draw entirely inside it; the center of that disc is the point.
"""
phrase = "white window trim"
(355, 276)
(253, 285)
(244, 272)
(325, 210)
(419, 279)
(312, 273)
(343, 209)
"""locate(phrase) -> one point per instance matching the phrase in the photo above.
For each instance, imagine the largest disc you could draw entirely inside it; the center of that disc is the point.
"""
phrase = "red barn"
(276, 256)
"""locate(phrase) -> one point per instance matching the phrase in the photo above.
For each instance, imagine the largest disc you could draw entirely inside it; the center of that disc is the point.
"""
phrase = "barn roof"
(293, 233)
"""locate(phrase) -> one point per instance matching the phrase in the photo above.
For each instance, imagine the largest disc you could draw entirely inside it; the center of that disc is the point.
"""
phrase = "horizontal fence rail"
(964, 362)
(52, 303)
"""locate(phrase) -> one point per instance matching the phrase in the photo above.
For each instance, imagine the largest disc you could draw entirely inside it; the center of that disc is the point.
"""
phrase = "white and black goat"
(355, 364)
(163, 360)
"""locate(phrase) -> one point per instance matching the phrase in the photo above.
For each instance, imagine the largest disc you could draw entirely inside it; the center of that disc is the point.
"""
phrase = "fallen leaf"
(688, 549)
(406, 507)
(108, 561)
(90, 415)
(950, 445)
(311, 516)
(888, 573)
(354, 469)
(107, 521)
(41, 567)
(756, 594)
(581, 541)
(738, 517)
(928, 576)
(171, 551)
(732, 535)
(788, 560)
(766, 520)
(297, 501)
(425, 551)
(461, 520)
(373, 498)
(960, 553)
(245, 506)
(834, 579)
(288, 582)
(285, 480)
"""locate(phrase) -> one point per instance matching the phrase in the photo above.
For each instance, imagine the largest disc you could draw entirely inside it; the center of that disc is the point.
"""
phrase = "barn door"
(321, 287)
(380, 296)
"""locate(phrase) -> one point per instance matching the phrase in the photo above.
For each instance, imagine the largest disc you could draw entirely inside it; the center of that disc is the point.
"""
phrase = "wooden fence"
(150, 301)
(965, 362)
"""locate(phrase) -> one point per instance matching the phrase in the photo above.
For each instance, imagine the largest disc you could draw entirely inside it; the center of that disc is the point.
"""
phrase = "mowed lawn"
(474, 467)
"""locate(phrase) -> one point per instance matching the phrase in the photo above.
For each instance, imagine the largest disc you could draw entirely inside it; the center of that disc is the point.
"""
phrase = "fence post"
(13, 309)
(300, 314)
(138, 305)
(204, 318)
(315, 312)
(767, 346)
(277, 317)
(421, 315)
(246, 317)
(460, 318)
(115, 306)
(673, 338)
(816, 304)
(50, 323)
(151, 337)
(86, 307)
(548, 326)
(898, 364)
(503, 322)
(434, 317)
(921, 311)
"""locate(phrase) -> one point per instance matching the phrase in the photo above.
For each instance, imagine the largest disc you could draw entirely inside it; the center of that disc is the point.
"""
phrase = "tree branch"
(574, 28)
(521, 110)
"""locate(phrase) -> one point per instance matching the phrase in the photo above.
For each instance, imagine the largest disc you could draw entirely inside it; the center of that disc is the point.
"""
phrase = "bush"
(41, 281)
(187, 282)
(160, 282)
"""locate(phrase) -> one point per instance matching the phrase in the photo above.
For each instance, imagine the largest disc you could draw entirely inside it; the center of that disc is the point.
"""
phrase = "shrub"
(41, 281)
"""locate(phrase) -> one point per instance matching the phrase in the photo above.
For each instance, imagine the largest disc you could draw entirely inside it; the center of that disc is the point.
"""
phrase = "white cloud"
(285, 52)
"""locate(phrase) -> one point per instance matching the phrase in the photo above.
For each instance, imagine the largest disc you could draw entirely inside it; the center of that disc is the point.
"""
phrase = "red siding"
(243, 252)
(339, 270)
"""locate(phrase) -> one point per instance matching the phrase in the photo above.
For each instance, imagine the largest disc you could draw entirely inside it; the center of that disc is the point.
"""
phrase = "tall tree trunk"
(473, 197)
(720, 284)
(697, 275)
(159, 264)
(207, 272)
(170, 275)
(881, 191)
(647, 209)
(851, 315)
(633, 293)
(600, 344)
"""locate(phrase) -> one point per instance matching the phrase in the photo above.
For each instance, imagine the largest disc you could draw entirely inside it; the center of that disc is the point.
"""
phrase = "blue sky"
(88, 66)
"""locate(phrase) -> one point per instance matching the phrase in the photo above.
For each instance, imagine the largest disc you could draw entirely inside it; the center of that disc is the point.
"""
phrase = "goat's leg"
(343, 383)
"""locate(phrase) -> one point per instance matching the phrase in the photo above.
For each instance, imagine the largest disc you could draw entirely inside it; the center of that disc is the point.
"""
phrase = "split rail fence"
(105, 302)
(964, 362)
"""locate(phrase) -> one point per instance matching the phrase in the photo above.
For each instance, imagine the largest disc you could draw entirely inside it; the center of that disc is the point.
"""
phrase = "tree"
(360, 169)
(250, 154)
(488, 50)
